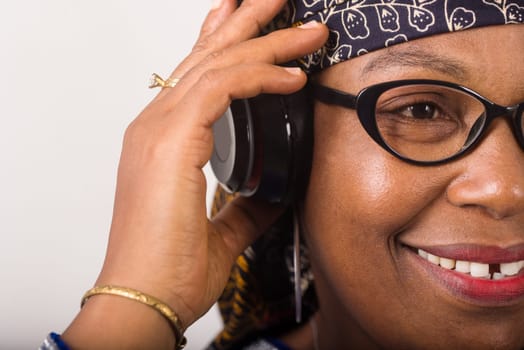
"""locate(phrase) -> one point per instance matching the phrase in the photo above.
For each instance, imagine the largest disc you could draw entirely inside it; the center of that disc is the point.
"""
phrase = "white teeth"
(462, 266)
(479, 270)
(434, 259)
(510, 269)
(475, 269)
(447, 263)
(498, 276)
(423, 254)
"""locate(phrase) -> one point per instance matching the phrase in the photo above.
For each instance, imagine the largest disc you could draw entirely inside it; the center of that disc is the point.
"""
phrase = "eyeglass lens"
(428, 122)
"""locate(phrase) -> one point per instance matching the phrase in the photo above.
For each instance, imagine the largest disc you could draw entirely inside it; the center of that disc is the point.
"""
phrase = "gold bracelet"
(149, 300)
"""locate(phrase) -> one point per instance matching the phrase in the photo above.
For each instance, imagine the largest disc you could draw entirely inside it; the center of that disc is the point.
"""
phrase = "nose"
(492, 175)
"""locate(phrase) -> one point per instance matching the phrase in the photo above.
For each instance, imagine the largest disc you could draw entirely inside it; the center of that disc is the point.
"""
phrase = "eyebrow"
(416, 58)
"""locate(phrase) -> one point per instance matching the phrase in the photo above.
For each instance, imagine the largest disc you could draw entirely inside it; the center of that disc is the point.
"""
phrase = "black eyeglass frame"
(365, 103)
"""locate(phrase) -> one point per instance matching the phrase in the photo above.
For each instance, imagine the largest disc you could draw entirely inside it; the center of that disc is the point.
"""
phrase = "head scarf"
(258, 299)
(361, 26)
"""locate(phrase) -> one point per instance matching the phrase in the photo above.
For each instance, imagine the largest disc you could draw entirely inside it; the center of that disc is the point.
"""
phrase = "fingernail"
(308, 25)
(293, 70)
(215, 4)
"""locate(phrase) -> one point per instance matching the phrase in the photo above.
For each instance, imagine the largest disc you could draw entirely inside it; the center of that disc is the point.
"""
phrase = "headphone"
(263, 146)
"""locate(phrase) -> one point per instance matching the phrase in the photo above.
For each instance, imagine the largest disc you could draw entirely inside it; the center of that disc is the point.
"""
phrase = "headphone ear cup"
(263, 147)
(299, 107)
(233, 154)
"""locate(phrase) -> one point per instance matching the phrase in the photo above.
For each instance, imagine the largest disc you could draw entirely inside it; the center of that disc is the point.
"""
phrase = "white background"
(73, 74)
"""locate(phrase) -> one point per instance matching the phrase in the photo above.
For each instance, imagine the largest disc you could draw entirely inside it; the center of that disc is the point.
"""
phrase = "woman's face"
(367, 213)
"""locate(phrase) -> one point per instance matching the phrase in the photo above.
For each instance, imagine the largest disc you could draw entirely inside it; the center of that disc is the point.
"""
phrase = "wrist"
(132, 294)
(109, 321)
(151, 284)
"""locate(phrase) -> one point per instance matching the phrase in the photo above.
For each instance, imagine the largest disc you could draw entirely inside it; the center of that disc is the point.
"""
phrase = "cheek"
(357, 186)
(358, 199)
(350, 205)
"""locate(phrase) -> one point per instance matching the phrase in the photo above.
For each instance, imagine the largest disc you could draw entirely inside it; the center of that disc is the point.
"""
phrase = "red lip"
(482, 292)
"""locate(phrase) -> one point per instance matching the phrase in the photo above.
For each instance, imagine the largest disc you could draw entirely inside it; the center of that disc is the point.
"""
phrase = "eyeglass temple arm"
(332, 96)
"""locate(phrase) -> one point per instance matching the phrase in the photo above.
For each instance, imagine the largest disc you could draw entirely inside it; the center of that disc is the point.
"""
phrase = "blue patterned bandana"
(361, 26)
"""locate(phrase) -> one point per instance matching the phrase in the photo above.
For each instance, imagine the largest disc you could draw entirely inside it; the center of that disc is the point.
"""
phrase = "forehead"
(475, 58)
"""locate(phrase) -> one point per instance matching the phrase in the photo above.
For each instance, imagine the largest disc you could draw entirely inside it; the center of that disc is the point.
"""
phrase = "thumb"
(243, 220)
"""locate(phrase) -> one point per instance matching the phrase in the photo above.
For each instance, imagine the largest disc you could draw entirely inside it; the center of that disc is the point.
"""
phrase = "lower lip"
(484, 292)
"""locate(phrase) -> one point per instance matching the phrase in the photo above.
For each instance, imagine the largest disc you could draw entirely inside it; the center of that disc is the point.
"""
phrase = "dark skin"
(162, 243)
(371, 294)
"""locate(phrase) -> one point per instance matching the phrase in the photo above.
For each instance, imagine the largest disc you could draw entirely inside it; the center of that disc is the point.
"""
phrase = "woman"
(414, 212)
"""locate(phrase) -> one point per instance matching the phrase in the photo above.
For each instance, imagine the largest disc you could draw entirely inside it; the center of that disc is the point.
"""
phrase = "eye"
(419, 111)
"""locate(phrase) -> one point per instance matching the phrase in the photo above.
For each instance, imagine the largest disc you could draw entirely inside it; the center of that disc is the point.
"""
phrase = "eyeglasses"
(423, 122)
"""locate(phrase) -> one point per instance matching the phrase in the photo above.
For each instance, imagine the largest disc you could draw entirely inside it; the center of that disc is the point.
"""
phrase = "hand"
(161, 241)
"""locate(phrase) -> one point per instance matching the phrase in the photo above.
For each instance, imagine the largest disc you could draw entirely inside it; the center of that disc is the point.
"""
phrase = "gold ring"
(158, 81)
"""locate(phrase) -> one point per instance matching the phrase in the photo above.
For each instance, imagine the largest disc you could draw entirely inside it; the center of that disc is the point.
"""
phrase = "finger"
(242, 221)
(245, 23)
(278, 47)
(195, 113)
(219, 13)
(217, 33)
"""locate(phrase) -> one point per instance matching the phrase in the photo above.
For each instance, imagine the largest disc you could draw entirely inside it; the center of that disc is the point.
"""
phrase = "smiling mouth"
(474, 269)
(480, 275)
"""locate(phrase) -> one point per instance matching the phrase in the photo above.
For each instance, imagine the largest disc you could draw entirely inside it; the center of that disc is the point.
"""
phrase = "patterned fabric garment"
(361, 26)
(258, 300)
